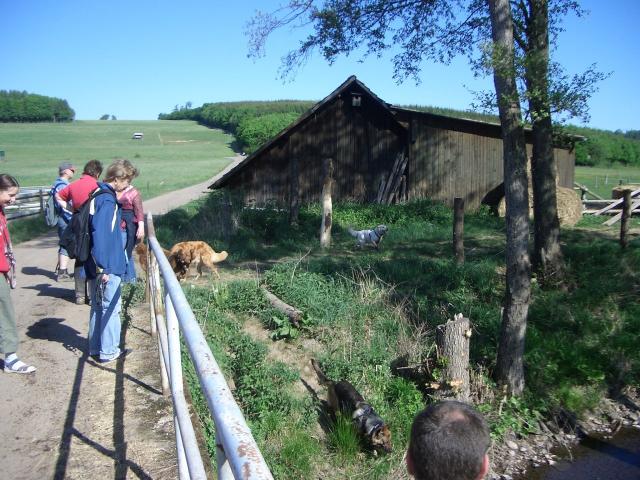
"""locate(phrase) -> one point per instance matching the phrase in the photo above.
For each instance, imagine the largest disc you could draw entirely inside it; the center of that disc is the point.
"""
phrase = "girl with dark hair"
(8, 331)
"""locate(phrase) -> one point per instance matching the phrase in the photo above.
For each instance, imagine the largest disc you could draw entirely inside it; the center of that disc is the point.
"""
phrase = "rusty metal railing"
(237, 455)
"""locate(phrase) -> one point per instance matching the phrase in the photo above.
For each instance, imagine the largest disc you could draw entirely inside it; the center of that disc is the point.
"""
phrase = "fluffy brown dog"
(343, 397)
(141, 252)
(184, 255)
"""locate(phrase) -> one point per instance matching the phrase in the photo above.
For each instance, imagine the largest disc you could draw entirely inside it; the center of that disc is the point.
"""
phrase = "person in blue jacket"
(105, 267)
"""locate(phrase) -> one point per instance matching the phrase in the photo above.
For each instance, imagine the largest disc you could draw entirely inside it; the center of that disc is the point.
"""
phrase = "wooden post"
(294, 193)
(458, 229)
(626, 214)
(327, 209)
(452, 341)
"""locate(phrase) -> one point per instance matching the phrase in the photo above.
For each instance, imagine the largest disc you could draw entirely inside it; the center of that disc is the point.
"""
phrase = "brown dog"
(141, 251)
(343, 397)
(184, 255)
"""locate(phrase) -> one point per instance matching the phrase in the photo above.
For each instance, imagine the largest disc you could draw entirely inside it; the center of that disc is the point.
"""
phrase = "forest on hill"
(255, 122)
(18, 106)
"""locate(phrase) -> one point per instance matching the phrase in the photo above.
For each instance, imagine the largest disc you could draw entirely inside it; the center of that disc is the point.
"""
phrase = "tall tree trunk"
(547, 255)
(509, 365)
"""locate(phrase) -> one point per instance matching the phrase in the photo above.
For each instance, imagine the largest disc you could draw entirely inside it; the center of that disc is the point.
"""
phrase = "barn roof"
(400, 117)
(348, 84)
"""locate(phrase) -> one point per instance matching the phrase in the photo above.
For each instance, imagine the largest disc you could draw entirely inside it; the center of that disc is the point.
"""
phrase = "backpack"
(76, 238)
(51, 208)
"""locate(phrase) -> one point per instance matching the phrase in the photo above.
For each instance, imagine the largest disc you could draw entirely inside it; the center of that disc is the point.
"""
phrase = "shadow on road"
(38, 271)
(46, 290)
(54, 330)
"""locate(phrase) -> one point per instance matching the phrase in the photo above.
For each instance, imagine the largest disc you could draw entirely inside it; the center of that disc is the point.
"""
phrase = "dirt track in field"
(74, 418)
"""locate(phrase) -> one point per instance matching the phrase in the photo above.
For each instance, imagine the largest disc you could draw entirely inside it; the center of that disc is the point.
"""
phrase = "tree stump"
(452, 341)
(327, 209)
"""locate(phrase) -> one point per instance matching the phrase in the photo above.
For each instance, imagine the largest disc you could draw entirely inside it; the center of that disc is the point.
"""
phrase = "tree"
(113, 117)
(509, 364)
(439, 30)
(105, 117)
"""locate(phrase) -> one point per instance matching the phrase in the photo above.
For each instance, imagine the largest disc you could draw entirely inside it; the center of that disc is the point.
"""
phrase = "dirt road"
(75, 418)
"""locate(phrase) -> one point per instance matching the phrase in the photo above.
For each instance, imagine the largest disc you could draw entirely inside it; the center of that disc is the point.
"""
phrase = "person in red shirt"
(72, 197)
(8, 331)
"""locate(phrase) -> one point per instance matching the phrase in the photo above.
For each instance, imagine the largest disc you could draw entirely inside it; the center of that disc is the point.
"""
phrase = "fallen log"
(292, 313)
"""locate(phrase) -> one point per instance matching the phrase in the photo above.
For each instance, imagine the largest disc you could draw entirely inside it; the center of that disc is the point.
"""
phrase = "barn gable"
(352, 126)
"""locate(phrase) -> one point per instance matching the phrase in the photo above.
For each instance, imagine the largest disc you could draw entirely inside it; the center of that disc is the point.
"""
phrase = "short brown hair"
(93, 168)
(448, 441)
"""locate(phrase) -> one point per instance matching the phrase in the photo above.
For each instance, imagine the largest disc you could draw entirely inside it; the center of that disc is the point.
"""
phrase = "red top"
(130, 199)
(78, 192)
(5, 242)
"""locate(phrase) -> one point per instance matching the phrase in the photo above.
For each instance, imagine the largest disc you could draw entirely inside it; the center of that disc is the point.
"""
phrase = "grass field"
(601, 180)
(172, 155)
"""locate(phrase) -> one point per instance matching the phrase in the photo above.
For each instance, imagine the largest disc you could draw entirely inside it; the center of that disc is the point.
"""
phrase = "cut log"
(452, 341)
(292, 313)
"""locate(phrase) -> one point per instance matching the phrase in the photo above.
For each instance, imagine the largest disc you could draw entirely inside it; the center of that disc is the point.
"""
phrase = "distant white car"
(137, 136)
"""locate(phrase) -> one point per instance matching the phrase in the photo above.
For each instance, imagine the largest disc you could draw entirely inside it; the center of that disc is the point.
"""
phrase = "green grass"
(173, 154)
(602, 180)
(369, 308)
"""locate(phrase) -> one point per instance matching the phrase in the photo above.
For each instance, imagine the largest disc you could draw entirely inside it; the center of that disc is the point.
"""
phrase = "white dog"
(369, 237)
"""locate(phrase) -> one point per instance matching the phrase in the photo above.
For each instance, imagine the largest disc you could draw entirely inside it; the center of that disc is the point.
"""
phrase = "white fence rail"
(237, 455)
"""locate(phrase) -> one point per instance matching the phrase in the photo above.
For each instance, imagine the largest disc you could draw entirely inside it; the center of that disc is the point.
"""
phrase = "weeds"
(370, 308)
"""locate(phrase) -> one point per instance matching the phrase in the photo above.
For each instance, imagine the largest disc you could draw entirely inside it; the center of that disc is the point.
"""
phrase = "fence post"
(458, 229)
(626, 214)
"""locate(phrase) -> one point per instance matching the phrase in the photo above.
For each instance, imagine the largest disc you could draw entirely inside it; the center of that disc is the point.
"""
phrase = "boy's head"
(449, 441)
(93, 168)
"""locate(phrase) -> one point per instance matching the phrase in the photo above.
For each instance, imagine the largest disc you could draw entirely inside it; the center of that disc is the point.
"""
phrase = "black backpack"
(76, 238)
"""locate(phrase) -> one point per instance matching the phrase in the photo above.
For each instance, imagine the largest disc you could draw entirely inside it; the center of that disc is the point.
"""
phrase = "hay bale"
(618, 192)
(569, 206)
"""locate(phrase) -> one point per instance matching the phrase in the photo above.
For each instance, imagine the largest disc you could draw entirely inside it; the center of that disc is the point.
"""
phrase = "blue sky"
(136, 59)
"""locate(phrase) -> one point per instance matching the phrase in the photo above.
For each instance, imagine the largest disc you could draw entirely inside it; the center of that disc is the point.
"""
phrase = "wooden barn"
(377, 148)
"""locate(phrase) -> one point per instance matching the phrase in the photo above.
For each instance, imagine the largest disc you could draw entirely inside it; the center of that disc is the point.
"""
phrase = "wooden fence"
(30, 201)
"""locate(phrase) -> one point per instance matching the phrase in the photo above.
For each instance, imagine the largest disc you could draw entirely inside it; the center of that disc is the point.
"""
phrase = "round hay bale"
(618, 192)
(569, 206)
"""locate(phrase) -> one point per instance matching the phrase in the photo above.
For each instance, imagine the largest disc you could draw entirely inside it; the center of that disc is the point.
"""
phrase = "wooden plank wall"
(445, 164)
(361, 141)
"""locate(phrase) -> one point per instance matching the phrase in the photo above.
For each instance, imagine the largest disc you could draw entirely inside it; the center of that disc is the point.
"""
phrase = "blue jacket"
(107, 249)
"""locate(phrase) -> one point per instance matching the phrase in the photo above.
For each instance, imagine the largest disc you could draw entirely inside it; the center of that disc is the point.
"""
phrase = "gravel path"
(74, 418)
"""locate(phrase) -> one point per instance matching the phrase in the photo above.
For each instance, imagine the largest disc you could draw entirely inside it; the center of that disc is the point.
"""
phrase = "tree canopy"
(18, 106)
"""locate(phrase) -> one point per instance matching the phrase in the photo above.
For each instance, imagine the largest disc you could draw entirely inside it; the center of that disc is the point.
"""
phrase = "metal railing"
(237, 455)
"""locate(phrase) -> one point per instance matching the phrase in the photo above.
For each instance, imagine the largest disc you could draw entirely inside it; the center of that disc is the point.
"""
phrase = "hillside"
(254, 122)
(172, 155)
